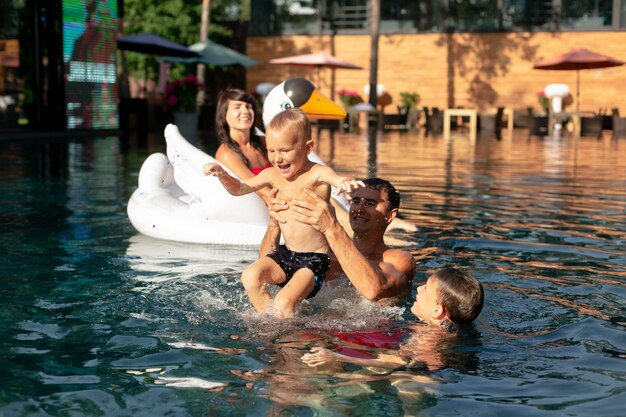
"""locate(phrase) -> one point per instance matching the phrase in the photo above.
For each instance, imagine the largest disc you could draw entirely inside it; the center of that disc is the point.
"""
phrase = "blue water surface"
(98, 320)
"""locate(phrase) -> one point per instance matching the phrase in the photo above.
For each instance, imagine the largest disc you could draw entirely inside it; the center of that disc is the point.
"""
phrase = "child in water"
(300, 265)
(449, 298)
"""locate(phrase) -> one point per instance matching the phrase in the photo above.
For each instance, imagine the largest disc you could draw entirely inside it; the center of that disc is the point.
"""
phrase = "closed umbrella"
(578, 59)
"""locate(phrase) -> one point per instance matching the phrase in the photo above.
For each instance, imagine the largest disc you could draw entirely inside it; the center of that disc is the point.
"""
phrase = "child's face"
(426, 306)
(239, 115)
(288, 152)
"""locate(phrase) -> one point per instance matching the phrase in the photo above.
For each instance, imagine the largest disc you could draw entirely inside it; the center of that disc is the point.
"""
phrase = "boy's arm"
(343, 184)
(320, 356)
(233, 185)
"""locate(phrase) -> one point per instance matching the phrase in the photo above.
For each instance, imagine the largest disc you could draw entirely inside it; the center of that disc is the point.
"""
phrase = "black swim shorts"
(290, 261)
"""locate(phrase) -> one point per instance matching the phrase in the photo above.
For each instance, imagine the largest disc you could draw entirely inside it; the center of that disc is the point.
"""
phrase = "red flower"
(180, 94)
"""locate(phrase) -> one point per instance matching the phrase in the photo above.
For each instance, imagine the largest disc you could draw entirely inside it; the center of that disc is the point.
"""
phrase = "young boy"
(301, 264)
(449, 298)
(449, 294)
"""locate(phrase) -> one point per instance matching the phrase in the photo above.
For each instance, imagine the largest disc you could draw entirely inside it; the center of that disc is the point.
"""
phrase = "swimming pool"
(98, 320)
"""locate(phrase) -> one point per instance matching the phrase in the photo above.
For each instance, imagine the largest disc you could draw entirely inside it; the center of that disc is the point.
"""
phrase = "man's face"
(368, 210)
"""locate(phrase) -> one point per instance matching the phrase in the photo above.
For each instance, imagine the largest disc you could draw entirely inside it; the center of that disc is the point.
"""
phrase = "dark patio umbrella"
(578, 59)
(149, 43)
(152, 44)
(212, 53)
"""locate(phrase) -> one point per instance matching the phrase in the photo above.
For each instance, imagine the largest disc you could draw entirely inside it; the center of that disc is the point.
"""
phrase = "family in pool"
(318, 247)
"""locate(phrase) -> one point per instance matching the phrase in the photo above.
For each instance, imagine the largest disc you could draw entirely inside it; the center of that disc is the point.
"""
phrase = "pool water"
(98, 320)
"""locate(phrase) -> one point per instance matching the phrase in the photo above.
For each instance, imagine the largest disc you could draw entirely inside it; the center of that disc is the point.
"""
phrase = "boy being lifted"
(300, 265)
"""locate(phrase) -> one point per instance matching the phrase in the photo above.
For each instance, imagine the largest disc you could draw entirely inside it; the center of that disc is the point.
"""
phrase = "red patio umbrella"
(317, 60)
(578, 59)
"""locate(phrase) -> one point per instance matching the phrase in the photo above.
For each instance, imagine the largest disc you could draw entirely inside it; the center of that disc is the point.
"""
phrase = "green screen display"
(89, 49)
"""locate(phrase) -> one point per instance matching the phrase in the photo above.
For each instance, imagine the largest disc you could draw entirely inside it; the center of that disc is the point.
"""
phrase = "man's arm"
(374, 280)
(390, 277)
(271, 239)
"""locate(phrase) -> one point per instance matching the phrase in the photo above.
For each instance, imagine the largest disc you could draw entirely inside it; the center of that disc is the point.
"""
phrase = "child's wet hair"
(460, 294)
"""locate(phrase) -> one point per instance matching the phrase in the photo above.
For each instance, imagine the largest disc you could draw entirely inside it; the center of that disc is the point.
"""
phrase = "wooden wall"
(472, 70)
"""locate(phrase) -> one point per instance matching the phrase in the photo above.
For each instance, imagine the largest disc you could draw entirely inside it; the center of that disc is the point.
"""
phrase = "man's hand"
(314, 211)
(275, 206)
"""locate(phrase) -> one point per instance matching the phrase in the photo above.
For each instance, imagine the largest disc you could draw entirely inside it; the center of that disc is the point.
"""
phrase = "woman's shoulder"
(227, 155)
(232, 160)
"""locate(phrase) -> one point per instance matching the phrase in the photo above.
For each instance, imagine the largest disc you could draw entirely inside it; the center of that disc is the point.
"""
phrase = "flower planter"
(591, 126)
(539, 125)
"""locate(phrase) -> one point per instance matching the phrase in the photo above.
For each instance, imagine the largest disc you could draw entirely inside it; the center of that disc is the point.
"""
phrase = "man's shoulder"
(400, 258)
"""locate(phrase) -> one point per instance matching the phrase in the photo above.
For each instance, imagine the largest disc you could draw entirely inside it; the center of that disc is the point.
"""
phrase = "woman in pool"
(242, 149)
(237, 123)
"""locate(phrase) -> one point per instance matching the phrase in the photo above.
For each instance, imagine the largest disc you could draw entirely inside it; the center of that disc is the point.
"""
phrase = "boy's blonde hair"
(294, 119)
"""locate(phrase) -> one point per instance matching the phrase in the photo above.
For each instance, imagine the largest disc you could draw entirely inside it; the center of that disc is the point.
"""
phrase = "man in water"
(378, 272)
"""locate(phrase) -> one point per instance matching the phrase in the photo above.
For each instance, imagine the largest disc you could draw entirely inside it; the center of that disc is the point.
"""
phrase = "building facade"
(476, 53)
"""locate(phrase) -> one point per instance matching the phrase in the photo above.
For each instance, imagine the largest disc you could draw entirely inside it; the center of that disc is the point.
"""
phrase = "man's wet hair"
(393, 195)
(460, 294)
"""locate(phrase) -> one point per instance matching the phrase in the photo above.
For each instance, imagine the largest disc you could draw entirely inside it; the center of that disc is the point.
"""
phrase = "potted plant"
(408, 100)
(348, 98)
(180, 97)
(539, 122)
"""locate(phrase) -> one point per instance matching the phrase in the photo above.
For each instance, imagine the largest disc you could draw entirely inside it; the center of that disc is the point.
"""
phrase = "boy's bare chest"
(288, 190)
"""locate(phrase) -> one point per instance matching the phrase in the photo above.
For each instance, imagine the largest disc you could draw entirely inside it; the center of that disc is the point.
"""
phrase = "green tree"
(179, 21)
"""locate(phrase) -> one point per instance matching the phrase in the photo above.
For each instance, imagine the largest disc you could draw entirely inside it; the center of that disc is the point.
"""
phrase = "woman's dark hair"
(223, 130)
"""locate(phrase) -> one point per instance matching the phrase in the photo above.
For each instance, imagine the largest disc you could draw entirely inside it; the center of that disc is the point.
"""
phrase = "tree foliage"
(179, 21)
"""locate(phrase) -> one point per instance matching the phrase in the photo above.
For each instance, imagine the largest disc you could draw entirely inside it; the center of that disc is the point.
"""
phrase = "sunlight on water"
(99, 320)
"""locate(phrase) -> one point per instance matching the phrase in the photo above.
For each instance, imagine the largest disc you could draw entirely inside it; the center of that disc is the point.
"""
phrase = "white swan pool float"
(176, 201)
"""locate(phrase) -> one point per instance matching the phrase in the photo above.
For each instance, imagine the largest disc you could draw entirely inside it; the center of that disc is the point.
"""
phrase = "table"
(473, 115)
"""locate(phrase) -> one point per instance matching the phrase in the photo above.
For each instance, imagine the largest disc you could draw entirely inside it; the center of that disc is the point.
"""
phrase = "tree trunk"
(205, 19)
(374, 34)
